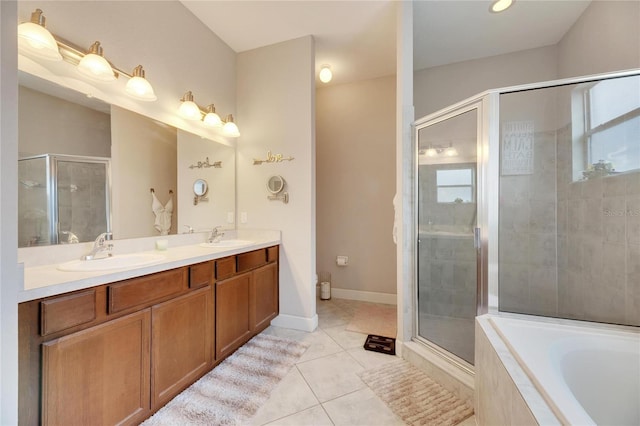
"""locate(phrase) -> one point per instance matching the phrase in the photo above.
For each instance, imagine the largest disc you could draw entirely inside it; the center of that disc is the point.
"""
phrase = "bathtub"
(586, 374)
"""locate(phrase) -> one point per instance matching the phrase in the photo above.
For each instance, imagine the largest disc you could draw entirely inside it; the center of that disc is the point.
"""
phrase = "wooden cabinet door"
(98, 376)
(263, 297)
(232, 314)
(181, 344)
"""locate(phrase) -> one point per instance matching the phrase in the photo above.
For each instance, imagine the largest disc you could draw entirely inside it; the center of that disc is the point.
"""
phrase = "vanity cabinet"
(246, 299)
(116, 353)
(99, 375)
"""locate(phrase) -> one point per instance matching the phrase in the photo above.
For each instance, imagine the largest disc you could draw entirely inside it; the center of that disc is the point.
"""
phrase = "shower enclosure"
(62, 199)
(528, 202)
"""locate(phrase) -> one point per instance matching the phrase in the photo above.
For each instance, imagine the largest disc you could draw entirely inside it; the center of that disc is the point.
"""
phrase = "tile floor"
(324, 388)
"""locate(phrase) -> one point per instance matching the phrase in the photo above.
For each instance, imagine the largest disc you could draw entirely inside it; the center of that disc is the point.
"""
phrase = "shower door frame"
(483, 105)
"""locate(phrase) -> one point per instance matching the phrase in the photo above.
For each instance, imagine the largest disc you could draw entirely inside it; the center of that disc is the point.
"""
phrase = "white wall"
(276, 112)
(355, 126)
(438, 87)
(605, 38)
(221, 181)
(144, 156)
(10, 279)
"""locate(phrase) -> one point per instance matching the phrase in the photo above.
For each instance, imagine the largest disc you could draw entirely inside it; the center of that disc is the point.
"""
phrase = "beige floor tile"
(345, 338)
(320, 344)
(370, 359)
(314, 416)
(471, 421)
(333, 320)
(362, 407)
(332, 376)
(291, 396)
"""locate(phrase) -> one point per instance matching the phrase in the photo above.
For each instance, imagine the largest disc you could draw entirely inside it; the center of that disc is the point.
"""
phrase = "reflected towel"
(163, 214)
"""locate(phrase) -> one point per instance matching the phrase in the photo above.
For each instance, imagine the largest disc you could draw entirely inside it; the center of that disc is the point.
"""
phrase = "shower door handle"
(477, 242)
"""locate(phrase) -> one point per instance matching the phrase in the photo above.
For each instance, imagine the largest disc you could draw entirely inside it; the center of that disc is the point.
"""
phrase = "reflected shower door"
(447, 222)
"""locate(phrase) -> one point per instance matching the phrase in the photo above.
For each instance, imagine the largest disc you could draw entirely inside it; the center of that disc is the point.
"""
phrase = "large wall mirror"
(87, 167)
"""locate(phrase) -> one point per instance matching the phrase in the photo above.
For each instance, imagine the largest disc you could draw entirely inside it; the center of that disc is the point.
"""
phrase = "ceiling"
(357, 37)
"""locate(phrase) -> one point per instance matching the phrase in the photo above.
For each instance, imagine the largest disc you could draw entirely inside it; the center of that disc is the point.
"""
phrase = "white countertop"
(46, 280)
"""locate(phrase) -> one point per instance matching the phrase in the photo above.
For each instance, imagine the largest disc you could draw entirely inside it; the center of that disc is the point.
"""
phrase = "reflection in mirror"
(275, 184)
(143, 153)
(200, 187)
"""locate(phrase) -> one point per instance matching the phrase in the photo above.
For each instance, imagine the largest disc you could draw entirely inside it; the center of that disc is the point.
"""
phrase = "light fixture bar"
(73, 55)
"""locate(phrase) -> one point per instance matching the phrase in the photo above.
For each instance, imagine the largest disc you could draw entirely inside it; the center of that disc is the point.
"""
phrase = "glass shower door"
(447, 273)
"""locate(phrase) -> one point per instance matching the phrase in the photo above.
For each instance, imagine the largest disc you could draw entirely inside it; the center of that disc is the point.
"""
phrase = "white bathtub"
(587, 375)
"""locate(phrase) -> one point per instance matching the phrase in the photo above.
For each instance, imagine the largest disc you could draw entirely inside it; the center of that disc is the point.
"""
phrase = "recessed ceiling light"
(500, 5)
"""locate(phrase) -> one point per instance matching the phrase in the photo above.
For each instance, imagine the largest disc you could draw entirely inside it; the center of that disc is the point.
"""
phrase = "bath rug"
(385, 345)
(232, 392)
(415, 397)
(376, 319)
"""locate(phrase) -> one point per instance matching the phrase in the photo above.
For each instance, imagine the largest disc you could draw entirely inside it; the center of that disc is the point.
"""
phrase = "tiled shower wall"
(598, 243)
(527, 229)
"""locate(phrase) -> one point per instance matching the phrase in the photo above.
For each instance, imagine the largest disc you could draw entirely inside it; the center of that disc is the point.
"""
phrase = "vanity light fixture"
(138, 87)
(434, 150)
(36, 39)
(94, 66)
(188, 108)
(325, 74)
(230, 128)
(212, 119)
(500, 5)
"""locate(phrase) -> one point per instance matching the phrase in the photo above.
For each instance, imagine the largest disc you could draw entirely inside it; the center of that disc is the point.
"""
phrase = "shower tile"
(614, 219)
(592, 188)
(514, 247)
(614, 260)
(514, 188)
(633, 259)
(576, 249)
(614, 186)
(575, 215)
(633, 298)
(543, 186)
(543, 216)
(592, 260)
(593, 217)
(633, 183)
(514, 287)
(633, 220)
(576, 189)
(606, 297)
(514, 217)
(543, 291)
(542, 250)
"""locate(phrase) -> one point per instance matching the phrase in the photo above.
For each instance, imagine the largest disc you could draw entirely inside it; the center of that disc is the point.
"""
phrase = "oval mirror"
(200, 187)
(275, 184)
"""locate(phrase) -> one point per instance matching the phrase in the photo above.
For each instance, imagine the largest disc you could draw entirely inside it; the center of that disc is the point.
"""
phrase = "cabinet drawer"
(225, 267)
(251, 260)
(144, 290)
(200, 275)
(272, 254)
(65, 312)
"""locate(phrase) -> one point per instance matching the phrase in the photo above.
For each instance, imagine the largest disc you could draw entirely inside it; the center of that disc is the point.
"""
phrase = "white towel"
(395, 218)
(163, 214)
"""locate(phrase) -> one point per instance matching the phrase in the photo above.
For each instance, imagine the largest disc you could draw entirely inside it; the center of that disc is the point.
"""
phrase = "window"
(454, 185)
(612, 124)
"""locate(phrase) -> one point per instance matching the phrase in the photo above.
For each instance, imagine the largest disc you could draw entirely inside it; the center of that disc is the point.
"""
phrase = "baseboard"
(364, 296)
(295, 322)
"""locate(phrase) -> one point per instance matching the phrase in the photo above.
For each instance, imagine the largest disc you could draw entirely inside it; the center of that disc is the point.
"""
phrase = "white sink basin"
(228, 244)
(108, 263)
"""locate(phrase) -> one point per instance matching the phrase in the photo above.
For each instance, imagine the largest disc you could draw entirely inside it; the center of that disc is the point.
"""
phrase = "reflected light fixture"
(434, 150)
(188, 108)
(230, 128)
(500, 5)
(94, 66)
(325, 74)
(138, 87)
(212, 119)
(34, 38)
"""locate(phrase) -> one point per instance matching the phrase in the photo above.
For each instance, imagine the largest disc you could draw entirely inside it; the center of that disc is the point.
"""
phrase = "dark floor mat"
(385, 345)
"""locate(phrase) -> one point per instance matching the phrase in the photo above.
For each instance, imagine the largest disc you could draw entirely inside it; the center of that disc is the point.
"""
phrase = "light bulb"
(138, 87)
(230, 128)
(35, 39)
(325, 74)
(94, 66)
(451, 152)
(431, 152)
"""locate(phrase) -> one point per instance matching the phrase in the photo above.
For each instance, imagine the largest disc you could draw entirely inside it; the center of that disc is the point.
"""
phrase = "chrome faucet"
(189, 229)
(99, 245)
(216, 235)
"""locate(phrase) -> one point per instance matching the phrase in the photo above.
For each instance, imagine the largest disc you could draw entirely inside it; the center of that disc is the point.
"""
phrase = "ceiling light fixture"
(36, 39)
(433, 150)
(500, 5)
(230, 128)
(325, 74)
(138, 87)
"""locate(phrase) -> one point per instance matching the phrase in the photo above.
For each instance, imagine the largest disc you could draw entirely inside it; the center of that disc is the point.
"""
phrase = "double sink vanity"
(110, 341)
